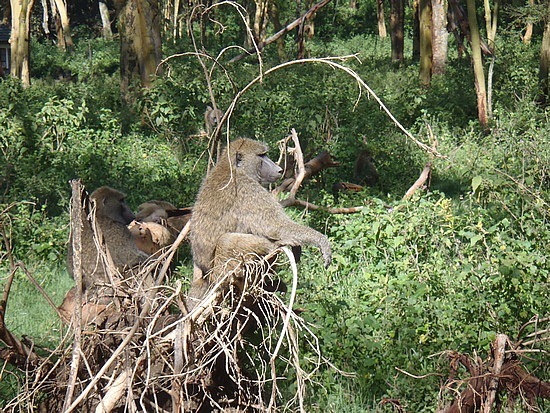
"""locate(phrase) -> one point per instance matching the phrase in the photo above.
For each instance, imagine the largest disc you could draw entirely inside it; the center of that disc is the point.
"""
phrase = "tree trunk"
(20, 29)
(381, 21)
(416, 31)
(397, 28)
(529, 29)
(491, 22)
(275, 17)
(260, 19)
(65, 41)
(440, 36)
(479, 76)
(426, 51)
(105, 20)
(545, 59)
(140, 42)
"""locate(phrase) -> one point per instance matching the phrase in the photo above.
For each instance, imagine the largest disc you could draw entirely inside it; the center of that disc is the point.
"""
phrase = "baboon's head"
(249, 157)
(111, 203)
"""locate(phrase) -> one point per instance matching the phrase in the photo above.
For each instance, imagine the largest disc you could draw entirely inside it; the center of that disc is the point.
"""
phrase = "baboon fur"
(112, 215)
(235, 215)
(364, 170)
(211, 118)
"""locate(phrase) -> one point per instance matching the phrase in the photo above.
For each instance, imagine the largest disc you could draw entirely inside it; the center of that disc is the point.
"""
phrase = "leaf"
(476, 181)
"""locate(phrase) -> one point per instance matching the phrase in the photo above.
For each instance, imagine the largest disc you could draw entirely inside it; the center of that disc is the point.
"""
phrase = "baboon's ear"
(239, 159)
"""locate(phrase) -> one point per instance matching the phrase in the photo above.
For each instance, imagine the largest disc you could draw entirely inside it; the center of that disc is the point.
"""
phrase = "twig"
(76, 240)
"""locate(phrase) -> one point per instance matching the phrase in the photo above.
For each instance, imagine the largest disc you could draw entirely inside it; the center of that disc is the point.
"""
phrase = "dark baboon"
(211, 119)
(364, 170)
(235, 214)
(112, 215)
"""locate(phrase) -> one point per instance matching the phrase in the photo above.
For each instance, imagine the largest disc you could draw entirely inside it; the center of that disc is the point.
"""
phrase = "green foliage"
(445, 270)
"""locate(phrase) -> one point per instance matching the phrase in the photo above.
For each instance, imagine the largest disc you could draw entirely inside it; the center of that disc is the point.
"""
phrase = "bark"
(284, 30)
(440, 36)
(479, 77)
(105, 20)
(545, 58)
(20, 33)
(529, 28)
(397, 29)
(426, 51)
(381, 21)
(64, 38)
(140, 42)
(416, 31)
(491, 22)
(260, 20)
(275, 17)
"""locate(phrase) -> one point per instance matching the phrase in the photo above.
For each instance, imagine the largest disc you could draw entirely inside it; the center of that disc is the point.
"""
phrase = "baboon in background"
(154, 211)
(211, 119)
(364, 170)
(234, 214)
(112, 215)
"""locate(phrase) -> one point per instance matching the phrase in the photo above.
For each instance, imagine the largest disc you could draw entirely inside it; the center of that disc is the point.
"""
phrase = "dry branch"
(283, 31)
(424, 176)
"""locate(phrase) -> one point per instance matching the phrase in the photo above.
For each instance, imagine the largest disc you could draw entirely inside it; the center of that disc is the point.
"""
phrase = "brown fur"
(364, 170)
(112, 215)
(235, 215)
(211, 119)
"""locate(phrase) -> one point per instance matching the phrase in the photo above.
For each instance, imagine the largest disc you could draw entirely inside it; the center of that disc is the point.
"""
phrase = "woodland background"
(445, 270)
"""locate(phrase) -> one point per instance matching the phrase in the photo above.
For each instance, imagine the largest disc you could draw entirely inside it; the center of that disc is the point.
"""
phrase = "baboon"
(235, 215)
(364, 170)
(211, 119)
(112, 215)
(154, 211)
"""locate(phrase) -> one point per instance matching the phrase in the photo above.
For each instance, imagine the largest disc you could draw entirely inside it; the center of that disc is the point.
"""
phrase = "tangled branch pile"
(134, 347)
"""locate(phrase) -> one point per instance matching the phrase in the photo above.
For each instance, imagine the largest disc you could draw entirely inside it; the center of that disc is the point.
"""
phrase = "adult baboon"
(211, 119)
(235, 215)
(112, 215)
(364, 170)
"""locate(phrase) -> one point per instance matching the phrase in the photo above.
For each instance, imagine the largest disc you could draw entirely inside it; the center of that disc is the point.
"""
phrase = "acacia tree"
(479, 77)
(397, 30)
(381, 21)
(440, 36)
(426, 53)
(544, 67)
(140, 42)
(20, 29)
(63, 28)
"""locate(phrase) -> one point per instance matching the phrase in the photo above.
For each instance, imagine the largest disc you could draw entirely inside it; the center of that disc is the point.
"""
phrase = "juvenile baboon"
(364, 170)
(154, 211)
(112, 215)
(211, 119)
(234, 214)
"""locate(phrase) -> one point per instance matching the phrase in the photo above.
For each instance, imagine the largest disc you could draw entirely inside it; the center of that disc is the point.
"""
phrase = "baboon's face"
(252, 159)
(111, 203)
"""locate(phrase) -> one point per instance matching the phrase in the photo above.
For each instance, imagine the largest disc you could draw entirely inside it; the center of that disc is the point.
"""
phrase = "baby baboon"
(235, 214)
(211, 119)
(112, 215)
(364, 170)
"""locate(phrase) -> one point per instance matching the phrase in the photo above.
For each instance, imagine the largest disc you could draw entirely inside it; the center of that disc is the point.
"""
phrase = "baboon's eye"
(239, 159)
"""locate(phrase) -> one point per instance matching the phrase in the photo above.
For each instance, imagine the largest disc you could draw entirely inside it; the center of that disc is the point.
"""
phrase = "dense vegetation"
(445, 270)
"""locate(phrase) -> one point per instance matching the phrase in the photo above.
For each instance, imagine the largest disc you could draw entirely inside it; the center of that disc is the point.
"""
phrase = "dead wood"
(425, 175)
(142, 351)
(502, 373)
(311, 168)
